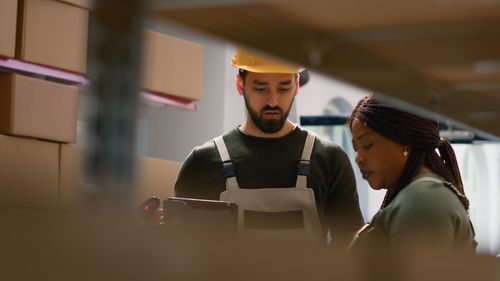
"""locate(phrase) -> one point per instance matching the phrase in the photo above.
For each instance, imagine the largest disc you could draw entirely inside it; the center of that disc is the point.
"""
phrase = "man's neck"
(249, 128)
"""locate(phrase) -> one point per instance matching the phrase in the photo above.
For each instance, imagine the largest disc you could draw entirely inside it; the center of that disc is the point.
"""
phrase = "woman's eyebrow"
(364, 135)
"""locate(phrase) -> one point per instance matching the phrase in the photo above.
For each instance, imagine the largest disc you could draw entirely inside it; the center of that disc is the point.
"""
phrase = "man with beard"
(286, 181)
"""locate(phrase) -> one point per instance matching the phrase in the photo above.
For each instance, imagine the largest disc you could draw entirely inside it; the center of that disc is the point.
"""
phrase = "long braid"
(450, 160)
(421, 135)
(451, 172)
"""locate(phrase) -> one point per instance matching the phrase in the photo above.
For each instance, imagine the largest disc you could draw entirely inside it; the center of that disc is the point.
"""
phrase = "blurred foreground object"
(114, 71)
(45, 245)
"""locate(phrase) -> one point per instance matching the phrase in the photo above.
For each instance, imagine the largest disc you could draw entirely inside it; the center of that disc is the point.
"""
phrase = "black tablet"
(201, 215)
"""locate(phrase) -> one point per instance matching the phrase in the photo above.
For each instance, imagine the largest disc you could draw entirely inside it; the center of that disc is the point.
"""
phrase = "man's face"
(269, 98)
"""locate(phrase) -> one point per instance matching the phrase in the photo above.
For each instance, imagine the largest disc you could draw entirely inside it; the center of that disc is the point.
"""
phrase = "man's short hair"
(243, 74)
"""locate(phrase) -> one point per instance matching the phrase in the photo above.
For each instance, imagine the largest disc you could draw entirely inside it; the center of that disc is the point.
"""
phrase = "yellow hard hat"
(253, 62)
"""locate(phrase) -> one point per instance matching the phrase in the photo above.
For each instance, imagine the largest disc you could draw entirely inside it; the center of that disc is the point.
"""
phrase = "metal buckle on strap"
(304, 167)
(229, 169)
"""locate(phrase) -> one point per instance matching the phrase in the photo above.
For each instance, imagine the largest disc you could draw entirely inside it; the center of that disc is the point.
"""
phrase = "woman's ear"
(240, 87)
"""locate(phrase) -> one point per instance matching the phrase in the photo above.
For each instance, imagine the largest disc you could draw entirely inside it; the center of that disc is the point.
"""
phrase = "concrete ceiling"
(440, 58)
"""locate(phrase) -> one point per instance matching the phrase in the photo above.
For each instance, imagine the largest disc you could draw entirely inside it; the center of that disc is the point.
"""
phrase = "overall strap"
(304, 165)
(227, 164)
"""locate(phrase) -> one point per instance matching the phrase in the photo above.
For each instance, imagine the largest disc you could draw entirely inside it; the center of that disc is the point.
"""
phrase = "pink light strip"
(18, 65)
(169, 100)
(42, 70)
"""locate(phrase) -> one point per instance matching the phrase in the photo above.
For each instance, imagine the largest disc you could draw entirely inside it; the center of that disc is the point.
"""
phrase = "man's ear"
(240, 87)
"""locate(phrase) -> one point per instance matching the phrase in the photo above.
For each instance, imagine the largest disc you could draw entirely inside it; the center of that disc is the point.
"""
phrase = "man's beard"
(272, 125)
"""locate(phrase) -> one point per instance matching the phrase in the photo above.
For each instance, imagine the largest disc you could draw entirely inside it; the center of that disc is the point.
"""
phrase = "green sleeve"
(200, 176)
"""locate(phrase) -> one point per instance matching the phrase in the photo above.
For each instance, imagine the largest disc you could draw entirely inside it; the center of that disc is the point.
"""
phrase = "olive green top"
(424, 215)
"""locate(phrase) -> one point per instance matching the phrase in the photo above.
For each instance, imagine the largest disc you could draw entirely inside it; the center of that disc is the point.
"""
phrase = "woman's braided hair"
(421, 135)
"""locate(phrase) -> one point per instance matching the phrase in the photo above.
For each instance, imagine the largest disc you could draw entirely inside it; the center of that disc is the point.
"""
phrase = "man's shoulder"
(231, 134)
(323, 144)
(204, 150)
(205, 147)
(210, 147)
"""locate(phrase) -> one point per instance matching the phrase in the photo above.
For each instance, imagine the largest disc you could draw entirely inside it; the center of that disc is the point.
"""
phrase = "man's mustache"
(267, 107)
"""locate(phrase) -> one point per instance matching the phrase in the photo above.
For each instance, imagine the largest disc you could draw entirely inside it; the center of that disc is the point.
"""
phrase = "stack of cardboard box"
(37, 115)
(48, 33)
(39, 165)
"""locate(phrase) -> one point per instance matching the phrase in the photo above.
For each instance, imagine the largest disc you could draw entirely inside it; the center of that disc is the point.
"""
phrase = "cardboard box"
(37, 108)
(29, 171)
(172, 66)
(155, 177)
(70, 176)
(54, 34)
(8, 17)
(87, 4)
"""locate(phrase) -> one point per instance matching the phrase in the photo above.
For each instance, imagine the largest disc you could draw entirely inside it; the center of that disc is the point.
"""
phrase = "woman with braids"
(425, 207)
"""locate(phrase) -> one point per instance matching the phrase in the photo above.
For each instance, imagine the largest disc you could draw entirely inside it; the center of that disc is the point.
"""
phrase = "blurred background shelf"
(436, 58)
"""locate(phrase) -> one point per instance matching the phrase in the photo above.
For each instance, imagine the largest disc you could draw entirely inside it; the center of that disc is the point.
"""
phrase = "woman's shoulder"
(427, 192)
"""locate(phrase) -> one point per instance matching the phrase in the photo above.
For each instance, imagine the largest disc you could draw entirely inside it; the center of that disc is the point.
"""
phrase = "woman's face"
(380, 160)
